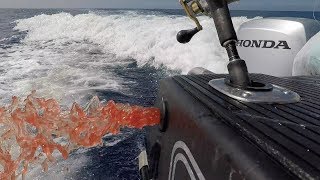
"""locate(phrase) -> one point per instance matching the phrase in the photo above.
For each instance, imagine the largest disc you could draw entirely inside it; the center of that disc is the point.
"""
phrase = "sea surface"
(74, 54)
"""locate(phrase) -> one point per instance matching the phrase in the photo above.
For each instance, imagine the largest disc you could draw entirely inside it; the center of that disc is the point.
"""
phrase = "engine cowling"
(270, 45)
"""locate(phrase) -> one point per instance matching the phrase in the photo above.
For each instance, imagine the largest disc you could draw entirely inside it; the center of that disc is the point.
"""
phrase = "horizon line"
(147, 9)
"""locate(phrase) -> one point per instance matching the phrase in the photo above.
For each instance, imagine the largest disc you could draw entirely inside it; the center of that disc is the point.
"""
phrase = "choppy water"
(72, 55)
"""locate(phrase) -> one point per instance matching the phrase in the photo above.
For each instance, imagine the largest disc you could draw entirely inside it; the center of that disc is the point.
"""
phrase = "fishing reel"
(193, 8)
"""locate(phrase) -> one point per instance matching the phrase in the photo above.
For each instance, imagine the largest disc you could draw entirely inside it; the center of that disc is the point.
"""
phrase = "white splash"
(65, 56)
(142, 37)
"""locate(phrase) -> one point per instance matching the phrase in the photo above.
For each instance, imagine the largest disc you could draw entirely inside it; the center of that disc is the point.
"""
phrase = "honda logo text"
(268, 44)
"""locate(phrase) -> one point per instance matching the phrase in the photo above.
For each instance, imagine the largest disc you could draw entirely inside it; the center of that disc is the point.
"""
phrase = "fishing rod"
(238, 83)
(219, 11)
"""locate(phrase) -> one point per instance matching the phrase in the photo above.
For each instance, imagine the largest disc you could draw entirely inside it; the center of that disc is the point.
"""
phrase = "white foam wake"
(66, 57)
(142, 37)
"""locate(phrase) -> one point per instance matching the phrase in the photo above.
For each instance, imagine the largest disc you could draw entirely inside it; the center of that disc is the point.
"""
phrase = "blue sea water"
(74, 54)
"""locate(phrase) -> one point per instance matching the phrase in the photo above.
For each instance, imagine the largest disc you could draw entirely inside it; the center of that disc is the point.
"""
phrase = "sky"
(291, 5)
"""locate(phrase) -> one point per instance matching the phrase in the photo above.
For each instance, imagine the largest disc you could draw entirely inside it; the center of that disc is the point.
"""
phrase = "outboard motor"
(233, 126)
(270, 45)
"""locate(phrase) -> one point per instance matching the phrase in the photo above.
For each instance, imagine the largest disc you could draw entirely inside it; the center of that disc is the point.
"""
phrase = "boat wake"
(142, 37)
(118, 55)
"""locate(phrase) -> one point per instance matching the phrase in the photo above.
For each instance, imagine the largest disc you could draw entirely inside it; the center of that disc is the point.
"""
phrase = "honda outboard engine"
(307, 61)
(233, 126)
(270, 45)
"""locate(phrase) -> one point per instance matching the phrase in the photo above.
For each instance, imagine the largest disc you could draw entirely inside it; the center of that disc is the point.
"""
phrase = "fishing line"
(315, 4)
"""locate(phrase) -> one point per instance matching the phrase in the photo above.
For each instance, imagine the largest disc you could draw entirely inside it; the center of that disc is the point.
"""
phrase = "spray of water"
(30, 129)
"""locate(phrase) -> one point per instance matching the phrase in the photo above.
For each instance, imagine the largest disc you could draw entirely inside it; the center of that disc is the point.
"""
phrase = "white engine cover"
(270, 45)
(307, 61)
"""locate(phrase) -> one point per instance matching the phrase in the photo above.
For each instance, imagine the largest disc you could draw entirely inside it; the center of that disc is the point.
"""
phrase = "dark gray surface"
(288, 133)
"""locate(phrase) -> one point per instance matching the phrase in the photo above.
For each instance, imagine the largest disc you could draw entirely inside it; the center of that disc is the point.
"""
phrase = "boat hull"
(207, 135)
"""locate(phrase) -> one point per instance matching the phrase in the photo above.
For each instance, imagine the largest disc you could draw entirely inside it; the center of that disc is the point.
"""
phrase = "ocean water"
(74, 54)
